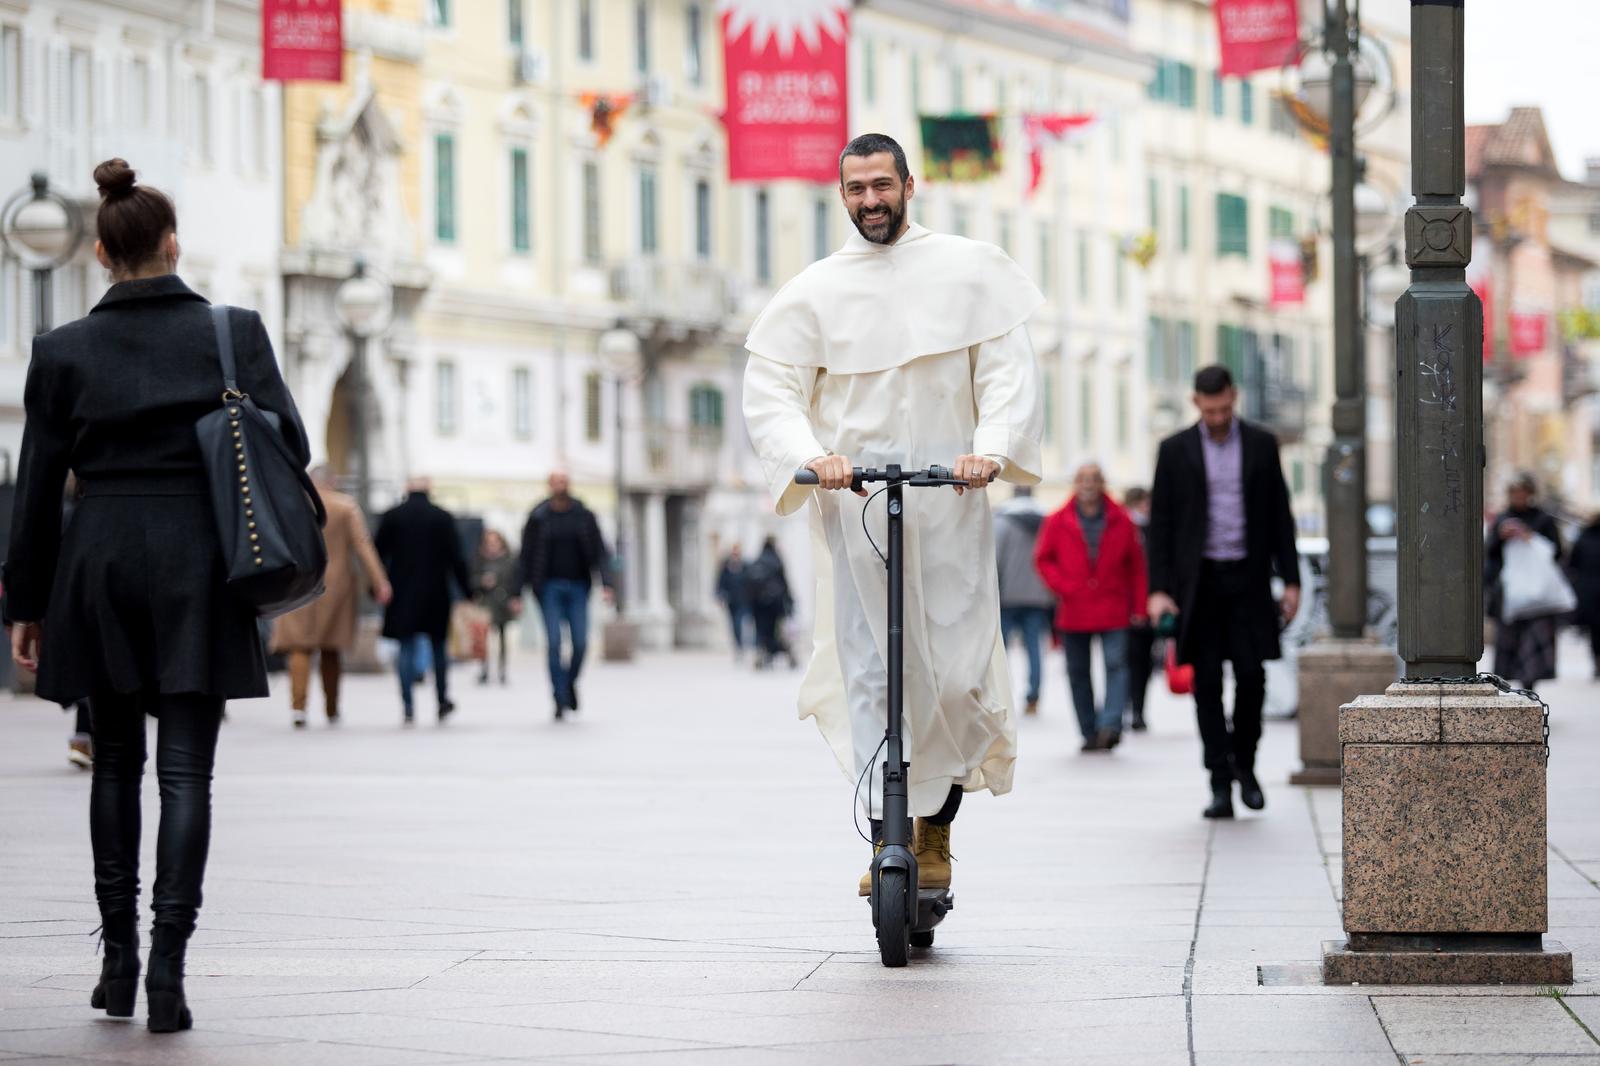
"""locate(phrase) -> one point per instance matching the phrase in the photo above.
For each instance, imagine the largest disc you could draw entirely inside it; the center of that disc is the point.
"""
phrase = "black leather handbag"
(269, 515)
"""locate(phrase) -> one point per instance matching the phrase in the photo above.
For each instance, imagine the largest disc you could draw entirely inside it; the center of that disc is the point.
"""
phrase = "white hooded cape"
(911, 353)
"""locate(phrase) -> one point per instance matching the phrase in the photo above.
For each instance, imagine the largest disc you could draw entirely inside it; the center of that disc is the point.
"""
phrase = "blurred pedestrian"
(1141, 635)
(421, 550)
(1524, 638)
(562, 551)
(497, 592)
(1026, 605)
(1584, 565)
(326, 627)
(1220, 526)
(767, 593)
(730, 590)
(131, 599)
(1089, 556)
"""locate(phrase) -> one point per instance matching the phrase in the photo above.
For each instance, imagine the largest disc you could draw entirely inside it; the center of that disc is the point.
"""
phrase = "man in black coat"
(562, 550)
(421, 551)
(1220, 526)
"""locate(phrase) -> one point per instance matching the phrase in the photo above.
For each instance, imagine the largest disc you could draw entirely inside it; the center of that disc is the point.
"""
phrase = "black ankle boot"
(119, 970)
(163, 982)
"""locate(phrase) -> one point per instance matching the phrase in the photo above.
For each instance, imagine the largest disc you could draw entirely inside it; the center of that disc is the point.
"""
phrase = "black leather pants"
(186, 748)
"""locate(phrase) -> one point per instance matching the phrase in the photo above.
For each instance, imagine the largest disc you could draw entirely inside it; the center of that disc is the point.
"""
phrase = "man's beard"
(883, 232)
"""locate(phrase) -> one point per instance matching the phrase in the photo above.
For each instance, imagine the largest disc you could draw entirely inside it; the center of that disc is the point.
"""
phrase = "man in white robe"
(906, 347)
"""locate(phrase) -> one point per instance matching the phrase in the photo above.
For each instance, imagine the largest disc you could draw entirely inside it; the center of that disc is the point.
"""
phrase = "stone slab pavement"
(670, 878)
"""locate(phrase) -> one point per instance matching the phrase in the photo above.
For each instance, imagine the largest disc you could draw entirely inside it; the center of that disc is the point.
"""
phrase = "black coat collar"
(166, 285)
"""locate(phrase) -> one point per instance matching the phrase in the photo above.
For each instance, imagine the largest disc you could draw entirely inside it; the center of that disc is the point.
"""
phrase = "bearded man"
(907, 347)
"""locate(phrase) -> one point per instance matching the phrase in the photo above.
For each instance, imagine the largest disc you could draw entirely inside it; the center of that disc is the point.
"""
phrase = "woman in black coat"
(130, 607)
(1584, 566)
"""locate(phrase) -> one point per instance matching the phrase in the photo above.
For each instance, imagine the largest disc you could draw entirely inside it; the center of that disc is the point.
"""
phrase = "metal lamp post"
(43, 230)
(619, 354)
(363, 303)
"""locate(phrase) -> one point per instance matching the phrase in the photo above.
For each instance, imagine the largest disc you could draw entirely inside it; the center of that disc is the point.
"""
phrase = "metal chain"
(1498, 682)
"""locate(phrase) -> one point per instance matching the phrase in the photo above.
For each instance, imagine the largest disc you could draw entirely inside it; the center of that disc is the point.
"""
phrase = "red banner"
(302, 40)
(1288, 274)
(1256, 34)
(1528, 332)
(786, 63)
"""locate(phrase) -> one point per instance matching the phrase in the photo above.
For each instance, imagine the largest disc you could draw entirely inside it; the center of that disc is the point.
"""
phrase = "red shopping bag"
(1180, 676)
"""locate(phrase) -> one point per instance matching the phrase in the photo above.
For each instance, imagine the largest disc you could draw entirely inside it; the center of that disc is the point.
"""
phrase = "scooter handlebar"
(933, 475)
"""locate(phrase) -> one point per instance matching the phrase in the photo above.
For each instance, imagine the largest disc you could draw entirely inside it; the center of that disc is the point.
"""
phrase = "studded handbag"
(269, 516)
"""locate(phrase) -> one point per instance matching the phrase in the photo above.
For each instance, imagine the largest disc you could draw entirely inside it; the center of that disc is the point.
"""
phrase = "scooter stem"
(896, 820)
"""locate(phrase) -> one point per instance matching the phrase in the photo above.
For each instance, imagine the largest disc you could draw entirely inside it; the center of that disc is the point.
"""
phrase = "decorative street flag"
(1049, 129)
(1256, 34)
(301, 40)
(1528, 332)
(1288, 273)
(604, 111)
(960, 147)
(786, 63)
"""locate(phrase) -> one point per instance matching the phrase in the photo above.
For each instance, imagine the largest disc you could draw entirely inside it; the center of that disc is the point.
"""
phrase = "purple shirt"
(1225, 493)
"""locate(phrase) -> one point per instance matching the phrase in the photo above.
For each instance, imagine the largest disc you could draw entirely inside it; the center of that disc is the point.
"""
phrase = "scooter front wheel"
(894, 917)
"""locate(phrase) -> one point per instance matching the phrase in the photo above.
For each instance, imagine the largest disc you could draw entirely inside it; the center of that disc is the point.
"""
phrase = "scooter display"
(903, 914)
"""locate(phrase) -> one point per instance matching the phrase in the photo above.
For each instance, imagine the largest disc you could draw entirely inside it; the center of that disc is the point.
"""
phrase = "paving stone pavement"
(670, 879)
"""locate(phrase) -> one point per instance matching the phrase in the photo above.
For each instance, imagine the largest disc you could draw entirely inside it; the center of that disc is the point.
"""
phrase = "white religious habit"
(911, 353)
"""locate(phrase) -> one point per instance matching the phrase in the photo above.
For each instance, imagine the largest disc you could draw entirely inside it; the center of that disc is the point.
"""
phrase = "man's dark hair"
(1212, 380)
(871, 144)
(1135, 496)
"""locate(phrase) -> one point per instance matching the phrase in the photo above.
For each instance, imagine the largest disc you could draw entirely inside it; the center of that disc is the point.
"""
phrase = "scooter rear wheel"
(894, 917)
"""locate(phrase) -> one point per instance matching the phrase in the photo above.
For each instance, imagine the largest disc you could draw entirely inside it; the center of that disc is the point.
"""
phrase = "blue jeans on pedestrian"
(411, 662)
(565, 602)
(738, 620)
(1033, 623)
(1114, 646)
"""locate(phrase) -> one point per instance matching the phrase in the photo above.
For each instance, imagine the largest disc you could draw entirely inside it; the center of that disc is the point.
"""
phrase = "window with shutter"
(641, 37)
(869, 70)
(705, 416)
(763, 247)
(438, 12)
(521, 228)
(1247, 103)
(702, 219)
(591, 407)
(1184, 342)
(694, 60)
(1185, 94)
(1233, 229)
(591, 213)
(446, 398)
(647, 210)
(10, 74)
(586, 30)
(514, 22)
(1280, 223)
(522, 402)
(820, 244)
(1156, 349)
(1219, 99)
(444, 188)
(1183, 218)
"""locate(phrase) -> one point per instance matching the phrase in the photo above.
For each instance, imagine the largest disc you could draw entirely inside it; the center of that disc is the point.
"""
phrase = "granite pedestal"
(1445, 877)
(1332, 672)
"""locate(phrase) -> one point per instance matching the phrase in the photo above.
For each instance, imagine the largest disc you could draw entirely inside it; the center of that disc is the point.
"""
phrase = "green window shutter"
(1218, 99)
(1156, 354)
(591, 407)
(514, 22)
(1186, 86)
(869, 70)
(444, 187)
(763, 237)
(1280, 223)
(1183, 218)
(1185, 346)
(1233, 228)
(1156, 89)
(521, 235)
(440, 10)
(702, 219)
(647, 211)
(591, 213)
(1247, 103)
(1155, 205)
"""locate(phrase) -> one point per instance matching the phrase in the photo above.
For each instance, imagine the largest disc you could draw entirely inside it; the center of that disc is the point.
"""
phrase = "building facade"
(174, 90)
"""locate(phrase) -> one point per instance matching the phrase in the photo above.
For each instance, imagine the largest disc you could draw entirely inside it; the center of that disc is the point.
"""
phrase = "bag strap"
(224, 330)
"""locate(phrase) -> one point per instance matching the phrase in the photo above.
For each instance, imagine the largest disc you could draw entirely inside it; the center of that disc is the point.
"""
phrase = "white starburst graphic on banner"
(787, 21)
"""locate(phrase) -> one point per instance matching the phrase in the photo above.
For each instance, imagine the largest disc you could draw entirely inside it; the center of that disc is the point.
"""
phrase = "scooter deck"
(932, 906)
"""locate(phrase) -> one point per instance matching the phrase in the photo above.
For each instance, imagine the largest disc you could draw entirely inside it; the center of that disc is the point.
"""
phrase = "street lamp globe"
(1375, 213)
(618, 351)
(363, 303)
(1316, 82)
(40, 227)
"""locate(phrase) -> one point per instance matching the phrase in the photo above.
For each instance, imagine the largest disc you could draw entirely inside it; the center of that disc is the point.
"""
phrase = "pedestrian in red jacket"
(1089, 555)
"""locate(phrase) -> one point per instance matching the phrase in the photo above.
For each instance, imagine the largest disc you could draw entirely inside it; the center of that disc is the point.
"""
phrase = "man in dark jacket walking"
(770, 602)
(1220, 526)
(731, 591)
(562, 550)
(421, 551)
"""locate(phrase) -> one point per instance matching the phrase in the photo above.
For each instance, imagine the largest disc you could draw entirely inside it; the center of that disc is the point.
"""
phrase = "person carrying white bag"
(1526, 588)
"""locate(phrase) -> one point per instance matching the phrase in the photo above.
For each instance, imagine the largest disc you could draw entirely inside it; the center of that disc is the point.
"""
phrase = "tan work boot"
(933, 855)
(1032, 708)
(866, 878)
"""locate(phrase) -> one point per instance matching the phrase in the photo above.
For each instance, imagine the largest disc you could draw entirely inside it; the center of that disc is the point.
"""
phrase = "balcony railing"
(691, 295)
(665, 456)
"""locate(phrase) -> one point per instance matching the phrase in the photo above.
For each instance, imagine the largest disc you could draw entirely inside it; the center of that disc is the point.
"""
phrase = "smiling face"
(874, 196)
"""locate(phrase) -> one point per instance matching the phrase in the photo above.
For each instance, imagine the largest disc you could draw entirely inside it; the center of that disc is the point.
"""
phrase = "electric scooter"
(903, 914)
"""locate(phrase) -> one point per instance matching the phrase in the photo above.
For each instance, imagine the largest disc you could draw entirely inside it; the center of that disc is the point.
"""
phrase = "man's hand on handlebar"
(976, 470)
(834, 472)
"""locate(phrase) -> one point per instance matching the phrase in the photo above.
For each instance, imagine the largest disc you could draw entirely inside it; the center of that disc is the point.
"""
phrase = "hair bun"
(115, 178)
